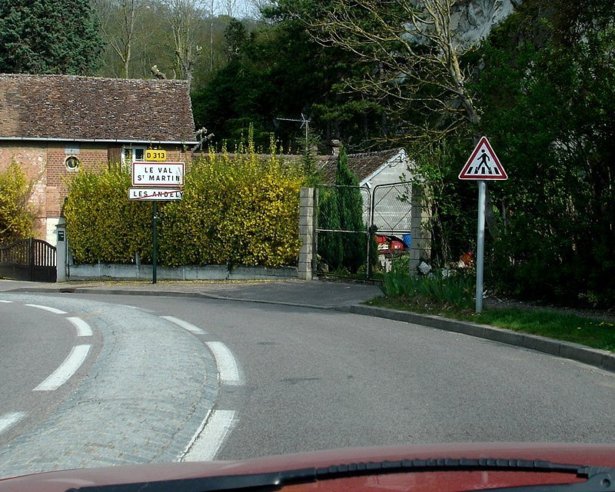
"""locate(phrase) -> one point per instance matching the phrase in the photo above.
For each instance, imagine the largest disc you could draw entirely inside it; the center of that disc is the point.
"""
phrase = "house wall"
(389, 210)
(91, 157)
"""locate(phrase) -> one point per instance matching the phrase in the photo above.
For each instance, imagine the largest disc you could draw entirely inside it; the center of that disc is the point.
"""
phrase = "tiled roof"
(92, 108)
(363, 165)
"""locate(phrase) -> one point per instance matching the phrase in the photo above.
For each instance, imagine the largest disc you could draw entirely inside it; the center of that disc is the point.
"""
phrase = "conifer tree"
(48, 36)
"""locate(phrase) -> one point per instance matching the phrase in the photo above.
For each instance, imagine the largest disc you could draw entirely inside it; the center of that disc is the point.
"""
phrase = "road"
(269, 379)
(34, 342)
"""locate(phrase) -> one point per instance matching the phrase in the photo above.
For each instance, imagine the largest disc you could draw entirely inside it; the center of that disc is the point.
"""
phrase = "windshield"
(244, 231)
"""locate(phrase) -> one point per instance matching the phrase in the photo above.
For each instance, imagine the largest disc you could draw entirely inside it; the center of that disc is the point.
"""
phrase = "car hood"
(595, 455)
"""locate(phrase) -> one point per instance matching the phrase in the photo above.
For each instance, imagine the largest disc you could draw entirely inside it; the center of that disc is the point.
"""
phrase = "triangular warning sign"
(483, 164)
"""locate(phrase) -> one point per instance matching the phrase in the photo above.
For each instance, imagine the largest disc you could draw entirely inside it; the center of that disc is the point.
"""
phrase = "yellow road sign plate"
(155, 155)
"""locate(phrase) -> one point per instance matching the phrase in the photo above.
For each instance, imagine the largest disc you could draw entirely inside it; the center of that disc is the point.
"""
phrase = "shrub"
(444, 289)
(16, 214)
(240, 210)
(102, 223)
(237, 210)
(341, 207)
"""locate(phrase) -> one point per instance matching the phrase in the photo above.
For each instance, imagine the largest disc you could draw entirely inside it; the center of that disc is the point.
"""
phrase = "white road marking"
(47, 308)
(5, 302)
(185, 325)
(9, 419)
(210, 436)
(69, 367)
(228, 370)
(83, 329)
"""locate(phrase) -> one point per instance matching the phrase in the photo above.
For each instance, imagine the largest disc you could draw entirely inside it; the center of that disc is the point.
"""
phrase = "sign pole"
(482, 165)
(154, 240)
(156, 180)
(480, 245)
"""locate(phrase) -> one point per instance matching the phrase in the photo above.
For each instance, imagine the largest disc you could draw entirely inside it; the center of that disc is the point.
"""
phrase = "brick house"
(53, 125)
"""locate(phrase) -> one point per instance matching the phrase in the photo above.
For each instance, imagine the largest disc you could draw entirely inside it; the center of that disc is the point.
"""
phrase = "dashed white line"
(47, 308)
(5, 302)
(69, 367)
(210, 436)
(228, 369)
(83, 329)
(185, 325)
(10, 419)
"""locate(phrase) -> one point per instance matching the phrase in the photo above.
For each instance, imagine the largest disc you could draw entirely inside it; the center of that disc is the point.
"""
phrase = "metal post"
(154, 240)
(480, 245)
(61, 252)
(31, 258)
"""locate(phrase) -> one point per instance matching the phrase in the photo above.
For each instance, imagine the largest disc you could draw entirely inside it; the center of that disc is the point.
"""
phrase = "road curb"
(165, 293)
(568, 350)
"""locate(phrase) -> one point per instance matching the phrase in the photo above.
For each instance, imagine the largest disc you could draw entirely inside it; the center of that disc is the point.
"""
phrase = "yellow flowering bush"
(102, 224)
(237, 209)
(16, 213)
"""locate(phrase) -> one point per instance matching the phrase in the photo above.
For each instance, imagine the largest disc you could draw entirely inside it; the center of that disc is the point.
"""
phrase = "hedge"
(102, 224)
(16, 213)
(238, 209)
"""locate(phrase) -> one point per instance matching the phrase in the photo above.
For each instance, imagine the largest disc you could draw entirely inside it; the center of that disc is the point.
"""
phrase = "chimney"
(337, 145)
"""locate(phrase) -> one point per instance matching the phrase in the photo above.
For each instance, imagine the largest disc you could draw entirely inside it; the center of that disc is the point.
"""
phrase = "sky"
(241, 8)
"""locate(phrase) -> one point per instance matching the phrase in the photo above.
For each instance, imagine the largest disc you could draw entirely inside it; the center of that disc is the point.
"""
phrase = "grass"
(594, 333)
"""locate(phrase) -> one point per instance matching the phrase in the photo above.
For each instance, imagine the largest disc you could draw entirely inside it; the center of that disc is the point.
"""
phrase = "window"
(72, 163)
(131, 154)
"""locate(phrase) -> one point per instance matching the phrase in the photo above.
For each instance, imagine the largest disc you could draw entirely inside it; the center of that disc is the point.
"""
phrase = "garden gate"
(28, 259)
(344, 249)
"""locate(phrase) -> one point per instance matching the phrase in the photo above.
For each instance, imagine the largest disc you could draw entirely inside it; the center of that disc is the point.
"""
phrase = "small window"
(131, 154)
(72, 163)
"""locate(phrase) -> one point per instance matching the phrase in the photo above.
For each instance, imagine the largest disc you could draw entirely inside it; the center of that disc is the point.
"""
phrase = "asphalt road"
(33, 343)
(296, 379)
(136, 396)
(323, 379)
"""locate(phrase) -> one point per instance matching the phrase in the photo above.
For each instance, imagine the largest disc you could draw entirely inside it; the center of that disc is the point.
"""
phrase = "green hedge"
(102, 224)
(238, 209)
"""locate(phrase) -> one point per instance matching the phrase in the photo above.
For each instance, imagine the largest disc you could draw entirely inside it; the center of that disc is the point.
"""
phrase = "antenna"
(304, 122)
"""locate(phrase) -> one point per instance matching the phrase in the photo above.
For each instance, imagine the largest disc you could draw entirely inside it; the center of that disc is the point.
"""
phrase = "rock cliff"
(473, 19)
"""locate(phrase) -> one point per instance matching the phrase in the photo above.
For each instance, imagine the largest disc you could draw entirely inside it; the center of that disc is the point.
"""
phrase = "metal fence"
(386, 209)
(391, 208)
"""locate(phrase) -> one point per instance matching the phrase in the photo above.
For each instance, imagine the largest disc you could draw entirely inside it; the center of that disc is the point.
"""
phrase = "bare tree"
(211, 13)
(184, 19)
(410, 52)
(257, 6)
(117, 20)
(230, 7)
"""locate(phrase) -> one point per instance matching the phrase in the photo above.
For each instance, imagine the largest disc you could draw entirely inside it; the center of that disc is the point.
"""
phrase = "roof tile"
(93, 108)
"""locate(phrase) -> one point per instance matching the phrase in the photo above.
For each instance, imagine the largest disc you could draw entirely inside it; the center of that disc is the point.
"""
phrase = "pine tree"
(48, 36)
(330, 247)
(350, 206)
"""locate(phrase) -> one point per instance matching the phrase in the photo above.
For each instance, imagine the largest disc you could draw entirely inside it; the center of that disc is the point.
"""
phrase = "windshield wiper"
(600, 482)
(602, 477)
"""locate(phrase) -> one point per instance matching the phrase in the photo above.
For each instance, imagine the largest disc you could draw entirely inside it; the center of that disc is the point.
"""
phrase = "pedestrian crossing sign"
(483, 164)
